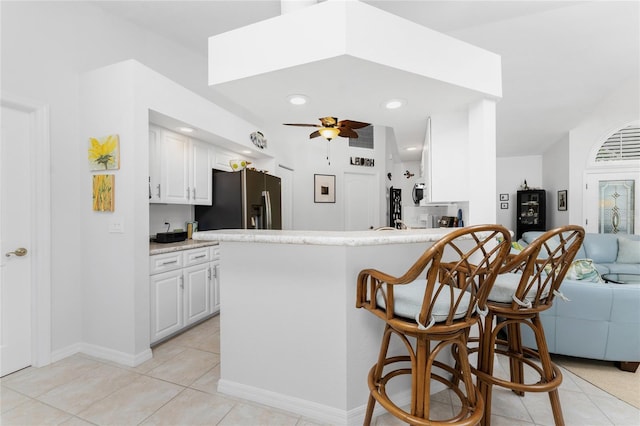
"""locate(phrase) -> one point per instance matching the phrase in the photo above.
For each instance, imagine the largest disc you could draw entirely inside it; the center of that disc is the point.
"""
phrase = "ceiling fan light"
(329, 132)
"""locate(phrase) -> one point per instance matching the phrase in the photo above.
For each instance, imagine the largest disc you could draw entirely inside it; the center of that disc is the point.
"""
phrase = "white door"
(15, 236)
(594, 208)
(361, 202)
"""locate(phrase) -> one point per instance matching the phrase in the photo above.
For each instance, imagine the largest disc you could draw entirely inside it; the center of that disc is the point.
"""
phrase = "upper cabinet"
(179, 168)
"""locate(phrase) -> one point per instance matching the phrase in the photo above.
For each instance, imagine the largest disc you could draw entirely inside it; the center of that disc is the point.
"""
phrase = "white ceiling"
(559, 59)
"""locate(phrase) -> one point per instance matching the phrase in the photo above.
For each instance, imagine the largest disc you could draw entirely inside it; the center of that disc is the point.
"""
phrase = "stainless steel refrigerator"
(242, 200)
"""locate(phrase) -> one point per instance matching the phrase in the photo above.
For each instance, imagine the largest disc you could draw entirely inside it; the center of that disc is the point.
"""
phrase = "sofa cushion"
(601, 248)
(628, 251)
(583, 270)
(620, 268)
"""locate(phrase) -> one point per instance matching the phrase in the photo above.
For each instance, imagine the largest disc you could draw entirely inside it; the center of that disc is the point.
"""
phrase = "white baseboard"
(305, 408)
(103, 353)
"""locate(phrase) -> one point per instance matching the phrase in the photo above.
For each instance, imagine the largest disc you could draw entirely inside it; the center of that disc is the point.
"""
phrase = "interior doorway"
(25, 291)
(361, 201)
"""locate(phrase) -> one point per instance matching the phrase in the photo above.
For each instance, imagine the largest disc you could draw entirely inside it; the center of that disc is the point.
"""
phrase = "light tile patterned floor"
(178, 387)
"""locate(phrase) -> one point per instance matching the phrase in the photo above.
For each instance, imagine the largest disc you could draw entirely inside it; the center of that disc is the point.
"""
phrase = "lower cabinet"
(184, 289)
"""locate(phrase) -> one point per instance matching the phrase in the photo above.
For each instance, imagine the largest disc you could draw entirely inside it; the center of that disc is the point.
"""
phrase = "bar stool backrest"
(544, 264)
(460, 270)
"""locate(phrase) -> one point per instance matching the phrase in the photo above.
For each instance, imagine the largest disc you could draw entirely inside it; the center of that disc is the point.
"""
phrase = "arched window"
(622, 145)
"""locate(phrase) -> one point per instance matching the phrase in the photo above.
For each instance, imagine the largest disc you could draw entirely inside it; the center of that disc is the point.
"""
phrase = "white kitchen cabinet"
(167, 315)
(155, 160)
(184, 289)
(200, 178)
(222, 159)
(175, 168)
(197, 293)
(179, 168)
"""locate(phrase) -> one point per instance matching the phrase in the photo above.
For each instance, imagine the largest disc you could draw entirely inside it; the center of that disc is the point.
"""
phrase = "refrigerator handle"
(267, 202)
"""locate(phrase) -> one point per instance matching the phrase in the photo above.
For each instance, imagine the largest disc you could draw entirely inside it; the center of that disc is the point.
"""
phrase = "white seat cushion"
(408, 301)
(505, 287)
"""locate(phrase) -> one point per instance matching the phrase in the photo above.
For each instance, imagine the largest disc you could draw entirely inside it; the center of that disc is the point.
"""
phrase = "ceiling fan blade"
(352, 124)
(301, 125)
(314, 134)
(346, 132)
(329, 121)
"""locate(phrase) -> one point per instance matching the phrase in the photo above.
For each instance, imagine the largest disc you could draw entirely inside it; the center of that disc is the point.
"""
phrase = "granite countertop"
(326, 238)
(159, 248)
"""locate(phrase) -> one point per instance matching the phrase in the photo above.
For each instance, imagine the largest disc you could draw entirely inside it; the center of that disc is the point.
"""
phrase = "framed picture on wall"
(562, 200)
(504, 206)
(324, 188)
(504, 197)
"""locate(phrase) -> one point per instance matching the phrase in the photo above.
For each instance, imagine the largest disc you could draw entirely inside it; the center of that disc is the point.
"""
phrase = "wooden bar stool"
(430, 313)
(518, 299)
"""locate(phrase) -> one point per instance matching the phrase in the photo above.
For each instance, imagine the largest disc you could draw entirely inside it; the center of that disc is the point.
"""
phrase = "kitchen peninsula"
(291, 336)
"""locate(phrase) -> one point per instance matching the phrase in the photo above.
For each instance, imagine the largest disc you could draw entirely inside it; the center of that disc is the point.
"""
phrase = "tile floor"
(178, 387)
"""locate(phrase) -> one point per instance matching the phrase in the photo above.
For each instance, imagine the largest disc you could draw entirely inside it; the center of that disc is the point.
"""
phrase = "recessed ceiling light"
(297, 99)
(394, 103)
(186, 129)
(246, 151)
(411, 148)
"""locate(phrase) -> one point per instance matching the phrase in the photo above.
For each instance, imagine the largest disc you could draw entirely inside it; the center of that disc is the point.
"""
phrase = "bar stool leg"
(376, 373)
(485, 363)
(549, 371)
(516, 368)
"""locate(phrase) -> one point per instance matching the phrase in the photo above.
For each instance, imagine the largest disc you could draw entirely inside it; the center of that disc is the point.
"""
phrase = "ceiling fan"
(331, 127)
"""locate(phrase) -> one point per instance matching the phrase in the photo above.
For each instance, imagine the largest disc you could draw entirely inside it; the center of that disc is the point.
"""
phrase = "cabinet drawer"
(196, 256)
(165, 262)
(215, 252)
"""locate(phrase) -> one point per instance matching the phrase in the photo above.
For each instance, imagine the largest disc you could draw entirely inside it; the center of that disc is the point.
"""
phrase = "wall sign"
(359, 161)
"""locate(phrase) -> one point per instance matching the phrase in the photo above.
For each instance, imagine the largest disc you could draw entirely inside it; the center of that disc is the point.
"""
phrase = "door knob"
(18, 252)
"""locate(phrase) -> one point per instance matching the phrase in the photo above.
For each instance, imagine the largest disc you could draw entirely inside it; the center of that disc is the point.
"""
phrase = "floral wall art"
(103, 193)
(104, 153)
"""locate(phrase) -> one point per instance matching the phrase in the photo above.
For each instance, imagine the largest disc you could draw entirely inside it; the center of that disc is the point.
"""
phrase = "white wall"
(311, 158)
(45, 45)
(555, 177)
(616, 111)
(511, 174)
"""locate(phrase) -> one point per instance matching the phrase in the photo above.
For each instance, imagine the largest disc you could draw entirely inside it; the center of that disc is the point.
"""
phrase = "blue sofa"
(601, 320)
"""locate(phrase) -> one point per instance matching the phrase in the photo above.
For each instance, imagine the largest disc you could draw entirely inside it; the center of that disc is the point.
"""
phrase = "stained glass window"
(616, 198)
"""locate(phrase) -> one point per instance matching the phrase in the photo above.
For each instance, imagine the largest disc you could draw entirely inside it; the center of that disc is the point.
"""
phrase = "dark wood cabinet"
(531, 211)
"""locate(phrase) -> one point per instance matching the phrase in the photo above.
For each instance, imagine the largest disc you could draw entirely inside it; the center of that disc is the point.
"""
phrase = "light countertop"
(159, 248)
(325, 238)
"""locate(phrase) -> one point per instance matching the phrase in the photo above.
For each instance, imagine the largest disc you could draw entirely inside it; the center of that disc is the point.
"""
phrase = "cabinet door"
(222, 161)
(201, 154)
(155, 161)
(197, 293)
(175, 171)
(166, 304)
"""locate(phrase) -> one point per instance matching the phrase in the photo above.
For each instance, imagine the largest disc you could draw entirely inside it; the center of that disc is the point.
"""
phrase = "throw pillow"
(583, 270)
(516, 247)
(628, 251)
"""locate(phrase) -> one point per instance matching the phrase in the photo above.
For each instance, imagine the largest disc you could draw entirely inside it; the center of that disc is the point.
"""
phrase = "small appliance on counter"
(171, 237)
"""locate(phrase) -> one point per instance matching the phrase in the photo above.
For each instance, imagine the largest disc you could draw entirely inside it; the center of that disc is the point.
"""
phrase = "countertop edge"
(161, 248)
(328, 238)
